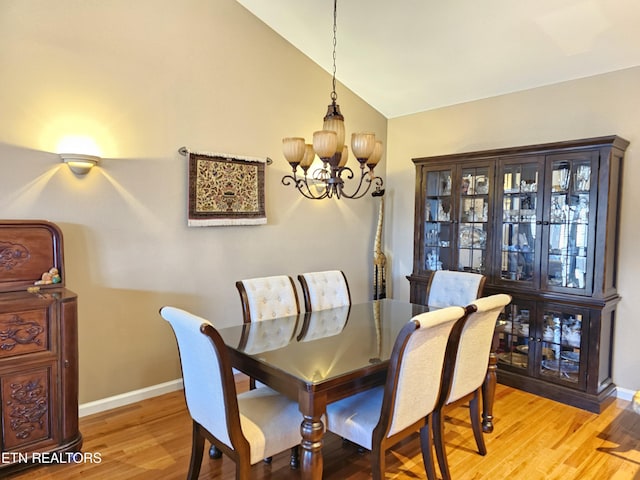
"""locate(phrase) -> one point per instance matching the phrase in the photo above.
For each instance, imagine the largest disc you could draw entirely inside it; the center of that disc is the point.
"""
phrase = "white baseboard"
(129, 397)
(624, 393)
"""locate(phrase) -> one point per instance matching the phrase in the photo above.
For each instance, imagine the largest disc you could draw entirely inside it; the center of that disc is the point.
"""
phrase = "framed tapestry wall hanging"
(226, 190)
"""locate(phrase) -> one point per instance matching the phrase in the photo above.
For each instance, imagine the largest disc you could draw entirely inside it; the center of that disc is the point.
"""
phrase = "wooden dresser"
(38, 348)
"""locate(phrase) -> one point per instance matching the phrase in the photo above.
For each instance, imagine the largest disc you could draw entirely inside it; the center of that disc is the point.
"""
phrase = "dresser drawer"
(28, 399)
(23, 332)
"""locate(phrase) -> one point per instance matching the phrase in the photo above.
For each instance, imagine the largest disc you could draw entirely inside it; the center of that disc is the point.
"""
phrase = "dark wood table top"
(320, 349)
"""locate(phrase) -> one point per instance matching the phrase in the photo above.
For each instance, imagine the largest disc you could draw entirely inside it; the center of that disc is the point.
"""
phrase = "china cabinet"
(541, 223)
(38, 347)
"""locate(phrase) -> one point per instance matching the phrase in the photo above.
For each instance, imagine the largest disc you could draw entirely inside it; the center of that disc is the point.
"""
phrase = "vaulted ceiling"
(407, 56)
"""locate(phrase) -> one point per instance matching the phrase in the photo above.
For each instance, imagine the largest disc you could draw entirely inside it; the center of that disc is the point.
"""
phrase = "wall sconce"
(79, 163)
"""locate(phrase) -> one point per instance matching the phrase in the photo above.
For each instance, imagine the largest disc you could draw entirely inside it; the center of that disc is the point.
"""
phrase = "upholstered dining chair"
(324, 290)
(268, 297)
(466, 368)
(247, 427)
(448, 287)
(377, 419)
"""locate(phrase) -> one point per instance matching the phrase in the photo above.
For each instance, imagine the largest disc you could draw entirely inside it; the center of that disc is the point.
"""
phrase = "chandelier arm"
(350, 173)
(364, 179)
(369, 181)
(302, 186)
(288, 179)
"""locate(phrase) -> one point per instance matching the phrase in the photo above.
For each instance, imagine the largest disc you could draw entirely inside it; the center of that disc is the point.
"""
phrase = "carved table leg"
(488, 394)
(312, 430)
(312, 406)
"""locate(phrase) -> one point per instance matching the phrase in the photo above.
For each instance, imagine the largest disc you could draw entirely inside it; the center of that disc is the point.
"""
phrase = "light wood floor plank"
(534, 439)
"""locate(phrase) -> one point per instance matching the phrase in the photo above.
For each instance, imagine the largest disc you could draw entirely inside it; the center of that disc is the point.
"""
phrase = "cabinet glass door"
(570, 214)
(438, 231)
(521, 202)
(560, 338)
(515, 329)
(473, 218)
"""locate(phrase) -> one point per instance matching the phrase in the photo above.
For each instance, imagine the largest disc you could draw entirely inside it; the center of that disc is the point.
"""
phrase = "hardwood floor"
(533, 439)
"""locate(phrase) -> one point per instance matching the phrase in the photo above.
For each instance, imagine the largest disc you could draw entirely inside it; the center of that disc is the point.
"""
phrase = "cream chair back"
(248, 427)
(209, 397)
(419, 370)
(380, 417)
(447, 288)
(466, 369)
(268, 297)
(324, 290)
(475, 345)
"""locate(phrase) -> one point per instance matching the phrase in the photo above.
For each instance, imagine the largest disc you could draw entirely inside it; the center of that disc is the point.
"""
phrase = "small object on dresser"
(52, 276)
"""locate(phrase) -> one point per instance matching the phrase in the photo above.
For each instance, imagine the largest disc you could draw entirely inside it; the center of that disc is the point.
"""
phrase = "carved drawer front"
(23, 332)
(25, 408)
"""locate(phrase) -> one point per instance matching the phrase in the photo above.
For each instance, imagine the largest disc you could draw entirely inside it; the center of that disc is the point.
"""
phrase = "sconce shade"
(293, 149)
(325, 143)
(362, 145)
(79, 163)
(375, 156)
(309, 156)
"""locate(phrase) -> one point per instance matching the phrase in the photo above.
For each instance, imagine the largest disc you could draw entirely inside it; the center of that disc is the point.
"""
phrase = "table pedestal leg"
(312, 430)
(488, 394)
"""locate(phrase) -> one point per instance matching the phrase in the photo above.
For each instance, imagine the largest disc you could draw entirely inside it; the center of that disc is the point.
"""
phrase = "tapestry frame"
(226, 190)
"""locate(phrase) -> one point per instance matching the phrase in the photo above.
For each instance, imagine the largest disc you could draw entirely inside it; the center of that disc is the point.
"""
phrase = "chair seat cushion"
(355, 417)
(269, 421)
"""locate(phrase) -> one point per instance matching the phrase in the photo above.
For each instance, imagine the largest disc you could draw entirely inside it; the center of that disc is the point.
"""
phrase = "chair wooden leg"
(243, 469)
(294, 462)
(427, 450)
(438, 440)
(197, 450)
(476, 422)
(377, 463)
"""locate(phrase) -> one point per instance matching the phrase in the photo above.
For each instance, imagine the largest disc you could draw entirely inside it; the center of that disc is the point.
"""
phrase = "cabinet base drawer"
(576, 398)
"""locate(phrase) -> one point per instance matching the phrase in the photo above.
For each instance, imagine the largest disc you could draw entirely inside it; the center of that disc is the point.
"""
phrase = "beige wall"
(602, 105)
(144, 78)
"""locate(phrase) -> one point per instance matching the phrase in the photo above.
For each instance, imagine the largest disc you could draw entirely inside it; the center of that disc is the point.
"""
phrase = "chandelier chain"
(334, 95)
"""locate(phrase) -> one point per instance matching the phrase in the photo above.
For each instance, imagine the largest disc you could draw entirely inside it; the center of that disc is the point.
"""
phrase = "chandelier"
(328, 145)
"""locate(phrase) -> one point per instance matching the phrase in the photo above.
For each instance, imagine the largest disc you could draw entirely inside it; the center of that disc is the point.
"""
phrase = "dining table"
(319, 357)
